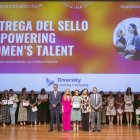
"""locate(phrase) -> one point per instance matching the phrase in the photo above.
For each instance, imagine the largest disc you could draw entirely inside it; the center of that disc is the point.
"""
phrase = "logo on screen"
(77, 5)
(49, 82)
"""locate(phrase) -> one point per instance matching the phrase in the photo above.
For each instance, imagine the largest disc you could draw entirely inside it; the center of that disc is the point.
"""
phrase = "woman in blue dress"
(32, 110)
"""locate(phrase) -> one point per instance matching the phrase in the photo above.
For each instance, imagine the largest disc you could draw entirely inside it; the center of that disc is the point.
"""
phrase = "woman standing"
(32, 110)
(104, 106)
(90, 115)
(111, 112)
(22, 114)
(4, 115)
(66, 110)
(13, 107)
(120, 42)
(85, 107)
(119, 101)
(76, 111)
(133, 43)
(137, 106)
(129, 108)
(42, 100)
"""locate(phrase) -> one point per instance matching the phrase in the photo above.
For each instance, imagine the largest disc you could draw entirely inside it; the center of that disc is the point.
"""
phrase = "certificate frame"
(120, 111)
(34, 109)
(137, 111)
(128, 102)
(26, 103)
(4, 102)
(76, 105)
(10, 102)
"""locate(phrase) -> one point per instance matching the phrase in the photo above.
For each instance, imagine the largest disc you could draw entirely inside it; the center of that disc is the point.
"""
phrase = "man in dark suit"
(55, 107)
(96, 103)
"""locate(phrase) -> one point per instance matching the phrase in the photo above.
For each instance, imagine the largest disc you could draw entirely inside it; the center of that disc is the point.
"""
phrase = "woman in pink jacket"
(66, 110)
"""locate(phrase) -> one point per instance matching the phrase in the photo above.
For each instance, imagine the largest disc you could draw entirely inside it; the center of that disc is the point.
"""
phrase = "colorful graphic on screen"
(96, 42)
(54, 37)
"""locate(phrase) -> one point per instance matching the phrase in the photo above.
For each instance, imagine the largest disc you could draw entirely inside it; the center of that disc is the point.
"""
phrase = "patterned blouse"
(121, 101)
(23, 97)
(85, 104)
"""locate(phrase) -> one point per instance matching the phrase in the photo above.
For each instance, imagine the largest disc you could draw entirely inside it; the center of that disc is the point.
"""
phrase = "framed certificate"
(119, 110)
(25, 103)
(76, 105)
(34, 109)
(137, 111)
(4, 102)
(128, 102)
(10, 102)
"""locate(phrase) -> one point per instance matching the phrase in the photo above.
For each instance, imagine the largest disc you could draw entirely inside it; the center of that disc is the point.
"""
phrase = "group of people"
(31, 108)
(80, 108)
(129, 47)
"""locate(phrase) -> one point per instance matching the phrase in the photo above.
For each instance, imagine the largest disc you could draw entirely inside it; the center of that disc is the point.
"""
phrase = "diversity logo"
(49, 82)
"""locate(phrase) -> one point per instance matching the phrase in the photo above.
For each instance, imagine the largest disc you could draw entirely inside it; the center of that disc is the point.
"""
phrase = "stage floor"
(41, 133)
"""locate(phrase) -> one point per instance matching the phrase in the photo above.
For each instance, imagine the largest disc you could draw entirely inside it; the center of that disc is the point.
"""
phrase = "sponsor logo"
(73, 80)
(49, 82)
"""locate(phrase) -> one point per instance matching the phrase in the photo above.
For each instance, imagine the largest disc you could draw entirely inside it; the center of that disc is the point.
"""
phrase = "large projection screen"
(74, 44)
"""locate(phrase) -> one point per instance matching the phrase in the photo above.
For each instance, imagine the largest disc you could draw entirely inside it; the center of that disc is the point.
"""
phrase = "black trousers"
(85, 121)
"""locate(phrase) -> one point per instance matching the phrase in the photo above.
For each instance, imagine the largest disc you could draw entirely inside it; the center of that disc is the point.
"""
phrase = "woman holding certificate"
(12, 102)
(66, 110)
(137, 106)
(76, 111)
(111, 111)
(85, 107)
(119, 102)
(4, 114)
(24, 103)
(32, 110)
(129, 108)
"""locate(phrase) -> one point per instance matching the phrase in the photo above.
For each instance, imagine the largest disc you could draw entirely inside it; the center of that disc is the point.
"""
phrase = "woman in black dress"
(32, 109)
(42, 100)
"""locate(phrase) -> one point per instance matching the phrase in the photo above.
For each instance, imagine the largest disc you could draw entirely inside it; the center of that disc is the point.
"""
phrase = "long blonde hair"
(65, 94)
(83, 92)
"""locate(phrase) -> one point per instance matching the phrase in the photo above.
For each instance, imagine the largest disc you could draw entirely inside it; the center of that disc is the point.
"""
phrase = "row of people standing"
(31, 108)
(91, 107)
(83, 108)
(7, 112)
(77, 108)
(36, 110)
(120, 105)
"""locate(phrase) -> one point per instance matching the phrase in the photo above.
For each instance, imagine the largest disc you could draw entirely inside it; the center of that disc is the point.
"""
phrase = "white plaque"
(76, 105)
(34, 109)
(25, 103)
